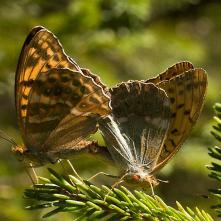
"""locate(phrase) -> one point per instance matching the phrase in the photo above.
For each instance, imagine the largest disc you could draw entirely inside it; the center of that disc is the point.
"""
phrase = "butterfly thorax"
(140, 176)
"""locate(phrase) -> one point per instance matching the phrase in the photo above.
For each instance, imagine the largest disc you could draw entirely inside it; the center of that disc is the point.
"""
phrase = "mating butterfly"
(58, 103)
(151, 119)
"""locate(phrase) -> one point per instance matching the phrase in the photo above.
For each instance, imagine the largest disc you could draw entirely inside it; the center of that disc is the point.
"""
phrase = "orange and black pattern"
(55, 97)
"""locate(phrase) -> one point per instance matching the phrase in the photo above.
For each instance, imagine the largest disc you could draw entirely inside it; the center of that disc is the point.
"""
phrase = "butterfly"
(151, 119)
(58, 104)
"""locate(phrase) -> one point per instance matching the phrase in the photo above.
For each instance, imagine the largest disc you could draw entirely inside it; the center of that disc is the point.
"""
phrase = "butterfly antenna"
(163, 181)
(5, 137)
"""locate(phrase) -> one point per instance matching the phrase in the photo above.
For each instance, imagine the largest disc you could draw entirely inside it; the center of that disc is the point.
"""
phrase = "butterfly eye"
(136, 177)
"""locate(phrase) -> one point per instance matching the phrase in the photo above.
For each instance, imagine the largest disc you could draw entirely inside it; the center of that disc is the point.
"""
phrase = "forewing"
(42, 98)
(41, 52)
(171, 72)
(63, 108)
(186, 93)
(137, 127)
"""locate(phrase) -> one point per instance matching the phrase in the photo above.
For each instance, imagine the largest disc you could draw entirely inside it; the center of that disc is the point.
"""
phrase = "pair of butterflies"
(59, 105)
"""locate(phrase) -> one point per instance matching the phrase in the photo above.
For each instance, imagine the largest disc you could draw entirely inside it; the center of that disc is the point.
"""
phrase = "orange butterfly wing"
(51, 91)
(186, 92)
(41, 51)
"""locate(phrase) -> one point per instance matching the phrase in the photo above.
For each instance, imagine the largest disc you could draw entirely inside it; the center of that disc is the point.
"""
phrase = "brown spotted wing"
(58, 104)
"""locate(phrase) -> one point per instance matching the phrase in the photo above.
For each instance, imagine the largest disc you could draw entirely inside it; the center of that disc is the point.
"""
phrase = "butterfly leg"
(73, 170)
(29, 171)
(102, 173)
(152, 190)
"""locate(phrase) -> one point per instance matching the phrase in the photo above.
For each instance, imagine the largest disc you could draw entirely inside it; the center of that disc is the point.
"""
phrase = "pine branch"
(89, 202)
(215, 153)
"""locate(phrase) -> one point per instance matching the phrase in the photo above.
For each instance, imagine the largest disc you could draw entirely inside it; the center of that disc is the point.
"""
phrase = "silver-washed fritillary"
(58, 103)
(151, 119)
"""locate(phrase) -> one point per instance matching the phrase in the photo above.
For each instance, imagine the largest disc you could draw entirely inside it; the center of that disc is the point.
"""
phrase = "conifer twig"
(90, 202)
(215, 153)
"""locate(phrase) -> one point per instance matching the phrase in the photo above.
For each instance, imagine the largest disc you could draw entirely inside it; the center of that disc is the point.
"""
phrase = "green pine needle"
(89, 202)
(215, 153)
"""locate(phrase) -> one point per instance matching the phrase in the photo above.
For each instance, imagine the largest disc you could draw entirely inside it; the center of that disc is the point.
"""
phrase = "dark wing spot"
(173, 115)
(186, 112)
(189, 86)
(76, 83)
(83, 89)
(38, 83)
(48, 66)
(165, 148)
(93, 100)
(32, 62)
(25, 96)
(47, 91)
(57, 91)
(28, 83)
(23, 107)
(172, 100)
(65, 79)
(56, 58)
(180, 106)
(172, 142)
(174, 131)
(191, 120)
(60, 66)
(44, 54)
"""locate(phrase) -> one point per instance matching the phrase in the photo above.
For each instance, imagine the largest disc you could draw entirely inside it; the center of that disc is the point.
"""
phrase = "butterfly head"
(21, 153)
(29, 157)
(140, 176)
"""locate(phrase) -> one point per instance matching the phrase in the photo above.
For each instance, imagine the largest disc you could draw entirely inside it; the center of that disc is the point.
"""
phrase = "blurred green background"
(118, 40)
